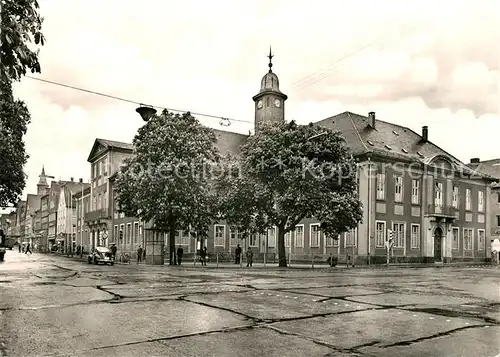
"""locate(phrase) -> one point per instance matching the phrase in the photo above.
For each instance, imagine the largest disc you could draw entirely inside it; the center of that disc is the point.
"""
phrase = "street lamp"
(146, 112)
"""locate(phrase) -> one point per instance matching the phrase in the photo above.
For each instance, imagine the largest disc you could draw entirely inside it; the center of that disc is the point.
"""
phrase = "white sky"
(432, 63)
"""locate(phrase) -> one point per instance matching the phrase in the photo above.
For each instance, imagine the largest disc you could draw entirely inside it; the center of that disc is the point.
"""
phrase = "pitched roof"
(105, 144)
(489, 167)
(389, 140)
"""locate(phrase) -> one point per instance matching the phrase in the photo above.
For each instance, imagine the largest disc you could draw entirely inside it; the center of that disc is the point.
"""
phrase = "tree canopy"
(14, 119)
(21, 34)
(287, 173)
(167, 179)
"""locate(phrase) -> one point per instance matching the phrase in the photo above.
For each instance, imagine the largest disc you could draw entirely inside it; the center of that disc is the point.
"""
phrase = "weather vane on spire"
(270, 59)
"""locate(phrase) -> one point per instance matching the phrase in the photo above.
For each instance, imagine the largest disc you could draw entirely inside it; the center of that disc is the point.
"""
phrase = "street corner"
(271, 305)
(401, 299)
(244, 342)
(168, 290)
(112, 325)
(478, 341)
(374, 327)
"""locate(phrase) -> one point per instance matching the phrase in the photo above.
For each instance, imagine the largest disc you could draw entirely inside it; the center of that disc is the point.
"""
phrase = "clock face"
(277, 103)
(259, 104)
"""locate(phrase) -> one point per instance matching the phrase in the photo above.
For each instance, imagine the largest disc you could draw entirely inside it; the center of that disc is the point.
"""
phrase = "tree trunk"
(281, 247)
(171, 243)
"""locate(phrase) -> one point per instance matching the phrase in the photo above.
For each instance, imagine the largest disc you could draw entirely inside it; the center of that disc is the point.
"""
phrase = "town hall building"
(435, 207)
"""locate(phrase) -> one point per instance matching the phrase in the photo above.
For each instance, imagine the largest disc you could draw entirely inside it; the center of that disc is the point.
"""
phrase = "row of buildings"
(437, 208)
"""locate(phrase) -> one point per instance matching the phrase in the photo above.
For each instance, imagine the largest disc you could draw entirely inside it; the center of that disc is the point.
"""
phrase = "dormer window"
(420, 154)
(371, 143)
(395, 132)
(388, 147)
(404, 150)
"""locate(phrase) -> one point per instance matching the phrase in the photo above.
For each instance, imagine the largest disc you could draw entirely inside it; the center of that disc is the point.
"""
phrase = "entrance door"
(438, 244)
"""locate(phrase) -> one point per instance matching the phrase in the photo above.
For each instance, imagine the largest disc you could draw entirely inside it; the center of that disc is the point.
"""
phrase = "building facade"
(83, 207)
(492, 168)
(105, 159)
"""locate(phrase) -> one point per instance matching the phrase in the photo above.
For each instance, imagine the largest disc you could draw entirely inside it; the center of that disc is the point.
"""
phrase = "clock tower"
(269, 102)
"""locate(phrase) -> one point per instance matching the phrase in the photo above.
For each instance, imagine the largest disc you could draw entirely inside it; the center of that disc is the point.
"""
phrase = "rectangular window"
(314, 232)
(438, 194)
(330, 242)
(398, 189)
(336, 241)
(380, 186)
(271, 237)
(498, 198)
(104, 201)
(498, 221)
(380, 233)
(219, 234)
(415, 192)
(415, 236)
(454, 202)
(480, 201)
(481, 238)
(253, 240)
(468, 196)
(185, 237)
(136, 232)
(115, 233)
(299, 236)
(399, 234)
(350, 238)
(468, 237)
(122, 231)
(288, 239)
(233, 237)
(456, 238)
(129, 233)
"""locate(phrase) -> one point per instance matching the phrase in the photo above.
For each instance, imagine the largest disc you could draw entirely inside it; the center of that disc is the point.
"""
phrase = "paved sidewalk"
(260, 265)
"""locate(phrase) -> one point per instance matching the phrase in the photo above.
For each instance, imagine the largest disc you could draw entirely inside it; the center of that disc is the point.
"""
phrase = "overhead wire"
(320, 75)
(222, 120)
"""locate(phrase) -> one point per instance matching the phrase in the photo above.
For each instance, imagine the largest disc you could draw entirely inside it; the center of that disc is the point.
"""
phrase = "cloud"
(414, 63)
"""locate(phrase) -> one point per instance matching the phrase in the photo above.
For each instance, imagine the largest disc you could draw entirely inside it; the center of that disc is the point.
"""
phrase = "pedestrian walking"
(28, 249)
(249, 257)
(19, 245)
(139, 255)
(180, 253)
(237, 254)
(203, 256)
(113, 251)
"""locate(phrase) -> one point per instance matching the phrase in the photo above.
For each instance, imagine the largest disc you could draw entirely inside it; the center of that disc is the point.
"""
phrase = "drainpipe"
(369, 208)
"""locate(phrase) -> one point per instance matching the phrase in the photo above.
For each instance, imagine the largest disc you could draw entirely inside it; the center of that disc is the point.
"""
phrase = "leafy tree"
(287, 173)
(20, 26)
(14, 119)
(167, 179)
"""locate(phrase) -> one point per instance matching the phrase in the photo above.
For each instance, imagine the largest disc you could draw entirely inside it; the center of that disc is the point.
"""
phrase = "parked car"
(101, 255)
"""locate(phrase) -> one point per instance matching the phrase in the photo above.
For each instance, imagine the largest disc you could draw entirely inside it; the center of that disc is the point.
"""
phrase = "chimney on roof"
(475, 160)
(371, 119)
(425, 133)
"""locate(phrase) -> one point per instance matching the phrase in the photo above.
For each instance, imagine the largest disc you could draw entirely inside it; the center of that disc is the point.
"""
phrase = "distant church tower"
(42, 185)
(269, 102)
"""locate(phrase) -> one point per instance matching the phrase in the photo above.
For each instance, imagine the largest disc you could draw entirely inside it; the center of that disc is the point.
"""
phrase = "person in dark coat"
(203, 256)
(28, 249)
(180, 253)
(139, 255)
(237, 254)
